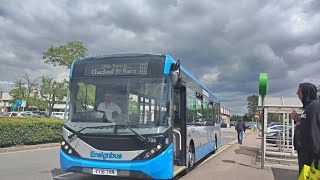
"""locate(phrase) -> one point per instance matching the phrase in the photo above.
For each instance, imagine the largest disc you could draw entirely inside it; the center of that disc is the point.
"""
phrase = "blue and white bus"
(168, 120)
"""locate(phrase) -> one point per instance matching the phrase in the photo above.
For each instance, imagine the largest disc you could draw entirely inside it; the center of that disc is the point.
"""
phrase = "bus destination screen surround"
(116, 69)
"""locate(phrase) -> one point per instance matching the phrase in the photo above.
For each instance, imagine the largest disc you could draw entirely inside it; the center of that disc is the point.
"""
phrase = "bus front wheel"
(191, 156)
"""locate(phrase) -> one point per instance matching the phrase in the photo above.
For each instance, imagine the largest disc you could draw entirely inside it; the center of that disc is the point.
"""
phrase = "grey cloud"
(225, 44)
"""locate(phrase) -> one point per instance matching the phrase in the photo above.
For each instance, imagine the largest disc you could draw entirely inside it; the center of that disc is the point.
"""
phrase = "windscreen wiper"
(143, 139)
(140, 137)
(90, 127)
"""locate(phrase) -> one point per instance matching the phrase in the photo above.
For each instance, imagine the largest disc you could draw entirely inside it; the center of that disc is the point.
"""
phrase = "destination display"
(116, 69)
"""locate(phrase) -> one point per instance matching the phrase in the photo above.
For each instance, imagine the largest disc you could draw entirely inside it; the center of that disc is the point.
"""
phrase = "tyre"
(191, 158)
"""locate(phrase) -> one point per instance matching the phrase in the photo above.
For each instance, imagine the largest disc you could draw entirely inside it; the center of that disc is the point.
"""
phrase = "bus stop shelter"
(282, 148)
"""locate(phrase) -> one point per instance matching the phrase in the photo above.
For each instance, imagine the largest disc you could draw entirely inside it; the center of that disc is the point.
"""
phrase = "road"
(43, 164)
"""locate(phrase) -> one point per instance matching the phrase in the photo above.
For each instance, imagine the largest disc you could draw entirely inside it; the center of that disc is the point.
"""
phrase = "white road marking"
(60, 176)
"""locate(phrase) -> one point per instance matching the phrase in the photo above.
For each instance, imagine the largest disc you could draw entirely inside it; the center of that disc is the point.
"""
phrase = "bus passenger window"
(190, 110)
(205, 111)
(199, 113)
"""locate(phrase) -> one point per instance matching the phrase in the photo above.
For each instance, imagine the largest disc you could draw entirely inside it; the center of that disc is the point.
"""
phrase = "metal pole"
(283, 133)
(292, 135)
(287, 131)
(263, 87)
(262, 135)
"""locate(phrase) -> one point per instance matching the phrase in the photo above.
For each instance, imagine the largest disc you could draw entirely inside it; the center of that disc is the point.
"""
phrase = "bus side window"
(199, 113)
(190, 110)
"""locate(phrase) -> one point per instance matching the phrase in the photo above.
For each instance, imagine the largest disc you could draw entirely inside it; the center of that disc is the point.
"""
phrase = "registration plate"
(110, 172)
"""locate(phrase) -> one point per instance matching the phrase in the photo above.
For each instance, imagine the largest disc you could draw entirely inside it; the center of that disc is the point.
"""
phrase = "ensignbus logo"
(104, 155)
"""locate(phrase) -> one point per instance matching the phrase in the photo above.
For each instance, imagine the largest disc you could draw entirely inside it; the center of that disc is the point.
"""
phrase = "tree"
(64, 55)
(275, 117)
(252, 106)
(246, 118)
(18, 91)
(27, 89)
(235, 118)
(52, 91)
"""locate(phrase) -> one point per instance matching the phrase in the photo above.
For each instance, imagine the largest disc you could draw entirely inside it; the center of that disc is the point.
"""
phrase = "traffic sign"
(19, 102)
(263, 84)
(24, 103)
(256, 116)
(13, 107)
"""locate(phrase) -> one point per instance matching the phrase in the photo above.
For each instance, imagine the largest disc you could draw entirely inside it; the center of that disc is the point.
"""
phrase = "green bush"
(19, 131)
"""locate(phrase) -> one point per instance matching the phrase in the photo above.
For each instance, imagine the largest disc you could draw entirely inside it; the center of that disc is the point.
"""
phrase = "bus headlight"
(159, 147)
(67, 148)
(152, 151)
(156, 148)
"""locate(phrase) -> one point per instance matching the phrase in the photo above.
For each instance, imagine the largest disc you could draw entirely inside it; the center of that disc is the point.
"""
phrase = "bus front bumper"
(159, 167)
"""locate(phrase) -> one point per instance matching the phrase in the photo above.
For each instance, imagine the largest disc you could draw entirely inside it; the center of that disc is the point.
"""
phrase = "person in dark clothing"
(307, 139)
(241, 128)
(298, 140)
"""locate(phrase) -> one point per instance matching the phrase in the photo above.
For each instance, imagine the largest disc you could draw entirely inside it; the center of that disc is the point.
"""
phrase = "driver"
(110, 108)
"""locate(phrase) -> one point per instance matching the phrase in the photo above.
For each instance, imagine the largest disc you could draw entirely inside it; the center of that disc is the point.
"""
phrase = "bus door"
(179, 125)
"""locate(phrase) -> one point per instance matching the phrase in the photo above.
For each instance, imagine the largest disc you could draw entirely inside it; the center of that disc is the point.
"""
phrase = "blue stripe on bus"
(167, 65)
(160, 167)
(71, 69)
(204, 150)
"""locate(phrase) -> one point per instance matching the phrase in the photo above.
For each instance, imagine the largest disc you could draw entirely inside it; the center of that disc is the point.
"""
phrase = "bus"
(168, 119)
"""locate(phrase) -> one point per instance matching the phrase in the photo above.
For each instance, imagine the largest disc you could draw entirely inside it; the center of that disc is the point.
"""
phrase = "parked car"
(29, 113)
(274, 123)
(59, 115)
(12, 114)
(279, 137)
(223, 125)
(272, 130)
(41, 113)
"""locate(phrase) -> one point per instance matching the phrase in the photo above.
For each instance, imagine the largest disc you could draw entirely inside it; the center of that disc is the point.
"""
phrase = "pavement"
(239, 162)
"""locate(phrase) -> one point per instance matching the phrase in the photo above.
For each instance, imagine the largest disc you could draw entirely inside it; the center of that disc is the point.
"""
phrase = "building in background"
(5, 87)
(225, 117)
(4, 102)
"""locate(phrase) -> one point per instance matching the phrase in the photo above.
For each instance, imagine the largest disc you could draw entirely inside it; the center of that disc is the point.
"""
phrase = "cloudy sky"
(226, 44)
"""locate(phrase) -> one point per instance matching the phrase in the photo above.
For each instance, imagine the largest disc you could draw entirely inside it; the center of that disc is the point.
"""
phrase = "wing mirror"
(176, 77)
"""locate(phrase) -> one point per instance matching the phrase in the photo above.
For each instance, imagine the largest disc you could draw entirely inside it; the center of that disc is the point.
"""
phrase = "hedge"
(27, 131)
